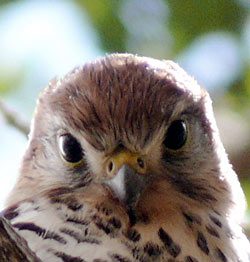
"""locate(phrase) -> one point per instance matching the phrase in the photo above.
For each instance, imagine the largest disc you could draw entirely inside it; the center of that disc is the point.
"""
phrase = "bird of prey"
(125, 163)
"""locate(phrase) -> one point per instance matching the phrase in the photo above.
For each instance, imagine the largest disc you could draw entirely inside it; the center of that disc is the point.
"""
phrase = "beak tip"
(126, 185)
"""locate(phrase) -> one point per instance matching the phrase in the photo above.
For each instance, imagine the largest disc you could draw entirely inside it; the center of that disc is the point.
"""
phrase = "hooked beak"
(127, 177)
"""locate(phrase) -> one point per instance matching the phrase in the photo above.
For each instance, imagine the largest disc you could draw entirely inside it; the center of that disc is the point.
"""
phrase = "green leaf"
(190, 18)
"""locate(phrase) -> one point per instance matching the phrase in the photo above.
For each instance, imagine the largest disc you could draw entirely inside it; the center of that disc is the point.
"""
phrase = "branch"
(12, 246)
(13, 119)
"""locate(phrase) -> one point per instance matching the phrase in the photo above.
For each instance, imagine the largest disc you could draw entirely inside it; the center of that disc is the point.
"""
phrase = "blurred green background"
(210, 39)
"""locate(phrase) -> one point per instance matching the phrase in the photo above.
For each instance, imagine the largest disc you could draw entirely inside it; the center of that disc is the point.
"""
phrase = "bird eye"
(176, 135)
(70, 149)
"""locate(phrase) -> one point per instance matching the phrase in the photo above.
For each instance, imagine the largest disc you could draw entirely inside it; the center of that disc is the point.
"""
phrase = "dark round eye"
(70, 148)
(176, 135)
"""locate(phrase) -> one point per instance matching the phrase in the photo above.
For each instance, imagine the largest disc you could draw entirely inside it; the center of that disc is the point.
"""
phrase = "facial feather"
(181, 202)
(129, 100)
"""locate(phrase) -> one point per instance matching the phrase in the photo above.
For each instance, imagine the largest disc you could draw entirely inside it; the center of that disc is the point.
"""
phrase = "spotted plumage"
(124, 163)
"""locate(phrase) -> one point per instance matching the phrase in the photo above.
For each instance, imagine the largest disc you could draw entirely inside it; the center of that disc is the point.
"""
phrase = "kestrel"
(125, 163)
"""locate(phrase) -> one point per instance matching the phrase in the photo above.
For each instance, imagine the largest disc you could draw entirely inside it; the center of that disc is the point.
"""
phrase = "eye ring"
(176, 135)
(70, 149)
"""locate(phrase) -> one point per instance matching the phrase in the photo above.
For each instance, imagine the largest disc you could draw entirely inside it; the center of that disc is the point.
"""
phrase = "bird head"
(139, 130)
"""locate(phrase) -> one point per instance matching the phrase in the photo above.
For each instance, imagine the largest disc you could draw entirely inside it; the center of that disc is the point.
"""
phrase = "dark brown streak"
(202, 243)
(173, 249)
(118, 258)
(69, 201)
(94, 113)
(67, 258)
(215, 220)
(133, 235)
(10, 213)
(84, 183)
(56, 192)
(116, 223)
(221, 255)
(190, 259)
(152, 249)
(29, 177)
(45, 234)
(78, 237)
(106, 228)
(191, 218)
(191, 189)
(212, 231)
(77, 221)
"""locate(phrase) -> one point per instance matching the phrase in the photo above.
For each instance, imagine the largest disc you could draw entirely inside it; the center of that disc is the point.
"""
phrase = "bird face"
(137, 129)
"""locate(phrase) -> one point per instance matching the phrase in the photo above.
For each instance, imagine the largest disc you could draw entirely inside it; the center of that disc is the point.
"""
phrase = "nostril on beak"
(110, 167)
(140, 163)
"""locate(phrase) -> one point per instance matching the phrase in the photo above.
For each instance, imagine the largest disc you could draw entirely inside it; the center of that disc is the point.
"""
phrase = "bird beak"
(127, 180)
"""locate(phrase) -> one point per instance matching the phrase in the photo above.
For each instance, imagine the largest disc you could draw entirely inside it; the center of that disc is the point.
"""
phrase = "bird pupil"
(70, 148)
(176, 135)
